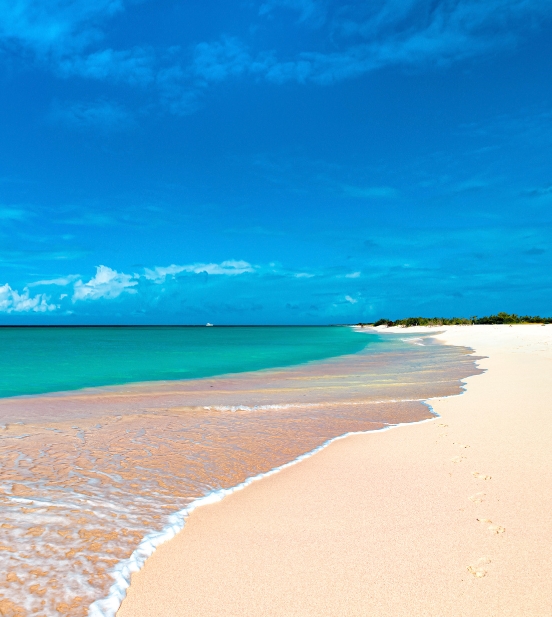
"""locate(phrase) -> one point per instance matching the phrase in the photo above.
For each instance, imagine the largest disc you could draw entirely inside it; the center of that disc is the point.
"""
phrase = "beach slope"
(449, 517)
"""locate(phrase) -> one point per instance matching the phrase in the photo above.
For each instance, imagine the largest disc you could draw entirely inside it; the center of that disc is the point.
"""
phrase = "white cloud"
(303, 275)
(351, 300)
(230, 267)
(159, 273)
(352, 275)
(106, 284)
(62, 281)
(11, 301)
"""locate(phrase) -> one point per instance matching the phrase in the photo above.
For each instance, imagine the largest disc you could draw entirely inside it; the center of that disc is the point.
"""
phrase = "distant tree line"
(500, 318)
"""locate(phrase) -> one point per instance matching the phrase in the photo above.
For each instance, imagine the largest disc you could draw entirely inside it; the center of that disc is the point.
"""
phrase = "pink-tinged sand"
(450, 517)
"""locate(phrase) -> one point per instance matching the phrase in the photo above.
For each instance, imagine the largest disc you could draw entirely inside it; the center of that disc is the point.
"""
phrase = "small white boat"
(209, 324)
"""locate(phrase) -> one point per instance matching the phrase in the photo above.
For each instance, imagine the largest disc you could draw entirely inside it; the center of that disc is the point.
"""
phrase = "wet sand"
(448, 517)
(91, 478)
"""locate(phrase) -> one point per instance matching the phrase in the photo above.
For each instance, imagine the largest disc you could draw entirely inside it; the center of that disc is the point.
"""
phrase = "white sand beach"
(446, 518)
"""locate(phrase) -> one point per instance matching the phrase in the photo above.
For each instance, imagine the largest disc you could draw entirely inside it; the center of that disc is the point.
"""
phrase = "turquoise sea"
(51, 359)
(92, 481)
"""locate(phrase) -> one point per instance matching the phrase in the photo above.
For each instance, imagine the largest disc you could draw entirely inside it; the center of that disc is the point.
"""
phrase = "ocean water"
(71, 358)
(88, 474)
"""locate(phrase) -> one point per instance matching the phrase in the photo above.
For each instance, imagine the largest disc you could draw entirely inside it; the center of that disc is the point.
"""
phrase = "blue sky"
(274, 161)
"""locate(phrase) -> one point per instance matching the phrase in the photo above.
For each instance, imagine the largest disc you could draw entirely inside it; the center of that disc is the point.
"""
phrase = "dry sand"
(450, 517)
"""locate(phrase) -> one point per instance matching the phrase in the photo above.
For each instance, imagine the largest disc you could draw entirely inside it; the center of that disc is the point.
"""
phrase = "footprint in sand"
(477, 569)
(480, 476)
(495, 529)
(477, 497)
(458, 459)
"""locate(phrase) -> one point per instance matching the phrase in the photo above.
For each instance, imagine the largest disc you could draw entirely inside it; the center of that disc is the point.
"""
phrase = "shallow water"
(68, 358)
(88, 474)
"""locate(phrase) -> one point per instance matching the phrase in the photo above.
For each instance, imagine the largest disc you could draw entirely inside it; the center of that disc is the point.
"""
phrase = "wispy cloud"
(54, 27)
(415, 32)
(67, 38)
(133, 66)
(534, 252)
(177, 92)
(99, 114)
(13, 257)
(47, 25)
(13, 214)
(310, 11)
(354, 38)
(219, 60)
(371, 192)
(471, 186)
(60, 282)
(369, 36)
(541, 191)
(229, 268)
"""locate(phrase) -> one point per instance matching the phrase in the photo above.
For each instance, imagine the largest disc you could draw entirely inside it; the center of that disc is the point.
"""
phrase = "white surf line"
(282, 406)
(108, 606)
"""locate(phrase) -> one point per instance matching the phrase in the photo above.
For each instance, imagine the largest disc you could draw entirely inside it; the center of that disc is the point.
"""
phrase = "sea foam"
(122, 573)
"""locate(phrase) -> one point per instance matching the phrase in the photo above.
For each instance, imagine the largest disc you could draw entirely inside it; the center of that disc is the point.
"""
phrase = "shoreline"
(137, 396)
(147, 591)
(109, 606)
(138, 363)
(106, 479)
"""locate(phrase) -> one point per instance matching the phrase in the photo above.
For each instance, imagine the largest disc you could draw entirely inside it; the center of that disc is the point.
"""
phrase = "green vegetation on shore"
(500, 318)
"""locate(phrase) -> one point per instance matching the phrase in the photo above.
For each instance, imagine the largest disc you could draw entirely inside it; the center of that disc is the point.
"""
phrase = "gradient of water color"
(39, 360)
(87, 474)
